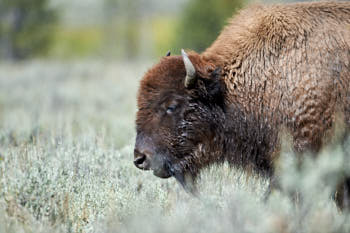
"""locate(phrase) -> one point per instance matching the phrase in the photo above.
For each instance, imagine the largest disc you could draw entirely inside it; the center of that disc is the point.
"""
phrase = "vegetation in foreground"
(66, 149)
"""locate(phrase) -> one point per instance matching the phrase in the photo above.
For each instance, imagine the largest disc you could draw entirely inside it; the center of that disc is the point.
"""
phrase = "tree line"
(28, 27)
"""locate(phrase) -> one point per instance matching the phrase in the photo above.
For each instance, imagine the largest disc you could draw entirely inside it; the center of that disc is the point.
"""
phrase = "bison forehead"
(168, 74)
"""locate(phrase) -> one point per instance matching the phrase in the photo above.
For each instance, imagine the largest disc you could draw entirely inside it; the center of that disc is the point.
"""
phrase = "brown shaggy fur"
(271, 67)
(291, 59)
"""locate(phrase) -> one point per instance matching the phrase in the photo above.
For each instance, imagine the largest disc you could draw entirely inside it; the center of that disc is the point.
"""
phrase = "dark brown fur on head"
(177, 124)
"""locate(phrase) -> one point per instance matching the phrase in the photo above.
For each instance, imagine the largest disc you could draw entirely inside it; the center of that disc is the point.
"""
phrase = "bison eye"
(170, 109)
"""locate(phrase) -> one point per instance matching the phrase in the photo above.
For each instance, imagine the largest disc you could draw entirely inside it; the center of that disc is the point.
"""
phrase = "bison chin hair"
(185, 178)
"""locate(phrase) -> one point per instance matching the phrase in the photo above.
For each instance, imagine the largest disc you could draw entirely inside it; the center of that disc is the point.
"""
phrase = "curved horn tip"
(184, 54)
(168, 54)
(190, 70)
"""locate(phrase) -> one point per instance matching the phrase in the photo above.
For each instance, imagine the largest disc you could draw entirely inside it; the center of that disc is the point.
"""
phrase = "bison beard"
(272, 67)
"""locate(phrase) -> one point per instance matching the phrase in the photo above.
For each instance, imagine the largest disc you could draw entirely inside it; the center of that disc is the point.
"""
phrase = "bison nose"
(141, 160)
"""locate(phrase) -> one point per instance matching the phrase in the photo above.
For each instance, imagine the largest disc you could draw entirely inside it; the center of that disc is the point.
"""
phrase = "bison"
(272, 67)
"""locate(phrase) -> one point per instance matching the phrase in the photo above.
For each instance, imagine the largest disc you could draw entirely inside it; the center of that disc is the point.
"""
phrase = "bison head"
(180, 117)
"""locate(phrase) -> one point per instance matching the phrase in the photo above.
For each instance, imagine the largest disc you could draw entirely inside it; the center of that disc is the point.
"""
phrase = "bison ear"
(191, 78)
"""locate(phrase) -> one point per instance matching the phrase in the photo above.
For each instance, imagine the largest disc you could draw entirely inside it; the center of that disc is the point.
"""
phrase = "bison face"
(158, 133)
(180, 111)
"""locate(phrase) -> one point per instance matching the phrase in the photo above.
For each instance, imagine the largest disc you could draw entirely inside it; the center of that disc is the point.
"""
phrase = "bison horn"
(190, 70)
(168, 53)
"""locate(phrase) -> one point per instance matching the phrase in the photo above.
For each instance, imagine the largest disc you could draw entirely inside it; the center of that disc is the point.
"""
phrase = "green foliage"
(164, 33)
(77, 42)
(124, 26)
(26, 27)
(202, 20)
(128, 39)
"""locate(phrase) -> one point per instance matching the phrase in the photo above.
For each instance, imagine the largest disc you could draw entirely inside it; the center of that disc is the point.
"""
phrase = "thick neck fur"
(243, 140)
(249, 141)
(250, 51)
(264, 54)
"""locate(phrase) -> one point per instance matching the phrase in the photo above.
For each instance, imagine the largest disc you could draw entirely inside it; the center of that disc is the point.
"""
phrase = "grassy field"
(66, 151)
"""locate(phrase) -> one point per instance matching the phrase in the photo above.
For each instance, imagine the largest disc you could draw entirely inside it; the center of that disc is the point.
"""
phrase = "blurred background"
(111, 29)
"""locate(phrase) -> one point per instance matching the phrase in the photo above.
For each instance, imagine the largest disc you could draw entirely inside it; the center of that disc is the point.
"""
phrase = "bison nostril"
(140, 159)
